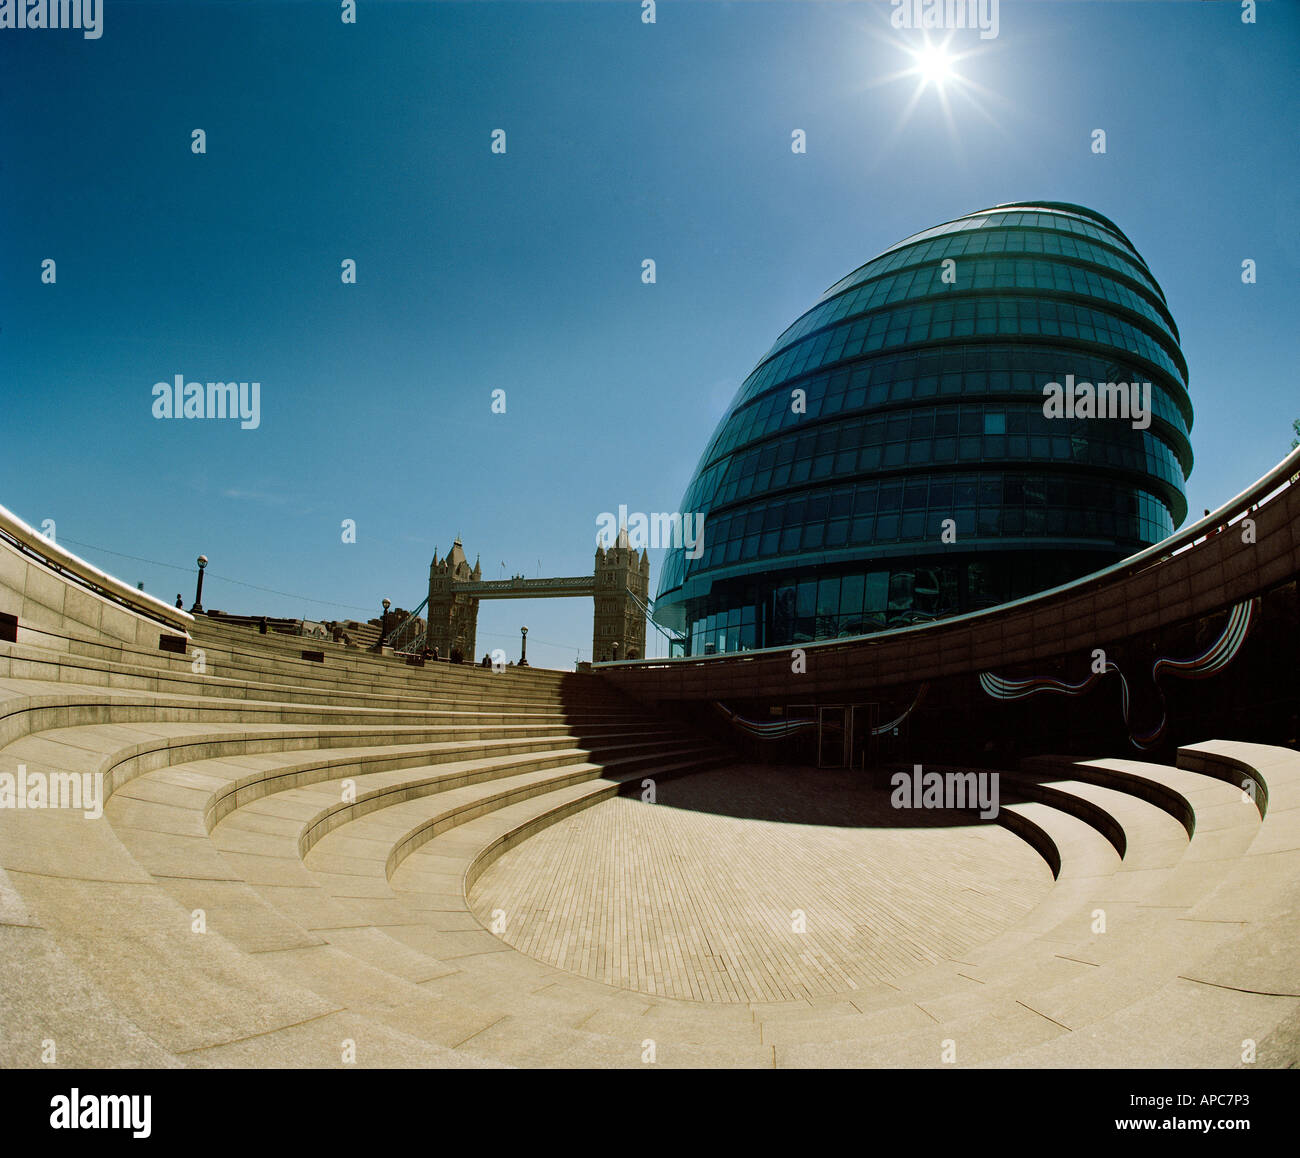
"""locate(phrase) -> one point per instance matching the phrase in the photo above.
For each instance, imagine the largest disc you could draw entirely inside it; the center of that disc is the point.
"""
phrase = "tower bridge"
(619, 585)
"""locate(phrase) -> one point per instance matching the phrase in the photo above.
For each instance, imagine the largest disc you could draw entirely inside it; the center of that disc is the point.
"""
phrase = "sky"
(479, 271)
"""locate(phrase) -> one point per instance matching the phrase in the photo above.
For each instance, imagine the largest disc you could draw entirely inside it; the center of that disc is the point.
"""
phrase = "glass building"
(913, 393)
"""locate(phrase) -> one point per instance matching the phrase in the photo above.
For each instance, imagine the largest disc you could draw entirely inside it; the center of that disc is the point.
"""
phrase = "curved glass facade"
(891, 459)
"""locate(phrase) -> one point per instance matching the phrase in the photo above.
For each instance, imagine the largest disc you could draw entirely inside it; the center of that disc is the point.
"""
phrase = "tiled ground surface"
(695, 896)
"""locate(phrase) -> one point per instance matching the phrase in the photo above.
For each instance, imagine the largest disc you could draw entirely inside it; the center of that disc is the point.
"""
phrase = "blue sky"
(522, 271)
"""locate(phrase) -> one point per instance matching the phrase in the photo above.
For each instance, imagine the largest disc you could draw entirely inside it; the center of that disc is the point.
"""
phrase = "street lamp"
(523, 647)
(383, 624)
(197, 609)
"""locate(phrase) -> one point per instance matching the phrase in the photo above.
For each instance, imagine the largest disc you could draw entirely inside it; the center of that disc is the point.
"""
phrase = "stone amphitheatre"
(311, 855)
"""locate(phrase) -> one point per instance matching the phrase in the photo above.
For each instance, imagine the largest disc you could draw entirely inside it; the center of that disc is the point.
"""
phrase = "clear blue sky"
(522, 272)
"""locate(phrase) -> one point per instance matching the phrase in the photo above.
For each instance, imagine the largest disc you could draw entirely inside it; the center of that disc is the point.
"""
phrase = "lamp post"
(383, 624)
(523, 647)
(197, 609)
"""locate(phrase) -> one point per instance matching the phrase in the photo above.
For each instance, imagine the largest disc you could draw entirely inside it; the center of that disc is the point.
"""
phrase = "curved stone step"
(315, 965)
(312, 686)
(119, 753)
(25, 711)
(1149, 960)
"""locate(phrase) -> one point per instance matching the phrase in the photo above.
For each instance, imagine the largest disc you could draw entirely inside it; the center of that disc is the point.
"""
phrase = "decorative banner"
(764, 730)
(780, 729)
(1210, 662)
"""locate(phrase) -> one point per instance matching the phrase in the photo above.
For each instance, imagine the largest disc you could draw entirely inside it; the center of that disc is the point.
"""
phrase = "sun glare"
(933, 65)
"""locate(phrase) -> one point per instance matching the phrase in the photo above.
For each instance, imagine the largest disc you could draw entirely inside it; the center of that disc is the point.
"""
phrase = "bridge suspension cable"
(402, 638)
(647, 608)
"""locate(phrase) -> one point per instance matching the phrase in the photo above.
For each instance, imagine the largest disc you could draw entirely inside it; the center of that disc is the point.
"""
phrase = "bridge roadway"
(520, 588)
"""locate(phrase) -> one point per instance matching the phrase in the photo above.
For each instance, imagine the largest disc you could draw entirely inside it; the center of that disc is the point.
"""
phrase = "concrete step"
(256, 676)
(37, 707)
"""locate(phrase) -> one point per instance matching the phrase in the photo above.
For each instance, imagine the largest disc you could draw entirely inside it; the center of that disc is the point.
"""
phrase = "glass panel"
(851, 594)
(876, 596)
(828, 597)
(806, 599)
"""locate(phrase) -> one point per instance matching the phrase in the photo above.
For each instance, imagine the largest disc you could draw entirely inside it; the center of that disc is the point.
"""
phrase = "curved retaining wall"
(58, 599)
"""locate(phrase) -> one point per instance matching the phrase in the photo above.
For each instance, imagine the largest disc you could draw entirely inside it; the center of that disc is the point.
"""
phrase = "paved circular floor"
(758, 884)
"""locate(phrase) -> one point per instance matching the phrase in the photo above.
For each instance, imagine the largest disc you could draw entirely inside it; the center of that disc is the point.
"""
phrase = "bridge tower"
(453, 617)
(619, 618)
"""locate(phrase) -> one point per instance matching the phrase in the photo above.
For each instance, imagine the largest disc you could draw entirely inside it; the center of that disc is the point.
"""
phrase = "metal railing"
(402, 637)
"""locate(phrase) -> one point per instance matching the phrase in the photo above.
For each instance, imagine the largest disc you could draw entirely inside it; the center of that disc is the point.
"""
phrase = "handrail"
(646, 607)
(407, 623)
(1257, 494)
(45, 550)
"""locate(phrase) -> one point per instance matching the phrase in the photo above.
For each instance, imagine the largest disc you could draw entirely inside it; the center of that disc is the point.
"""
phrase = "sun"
(938, 70)
(933, 65)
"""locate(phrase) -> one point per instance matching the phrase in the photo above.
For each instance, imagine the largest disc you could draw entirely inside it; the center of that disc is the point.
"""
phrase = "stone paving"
(679, 899)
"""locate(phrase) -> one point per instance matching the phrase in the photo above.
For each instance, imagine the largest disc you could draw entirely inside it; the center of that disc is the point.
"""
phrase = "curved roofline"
(1069, 206)
(1063, 206)
(1160, 334)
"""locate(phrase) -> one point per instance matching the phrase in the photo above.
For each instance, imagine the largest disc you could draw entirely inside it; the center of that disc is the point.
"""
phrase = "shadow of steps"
(1274, 770)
